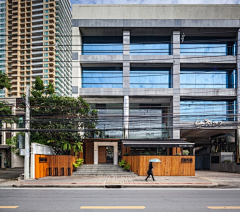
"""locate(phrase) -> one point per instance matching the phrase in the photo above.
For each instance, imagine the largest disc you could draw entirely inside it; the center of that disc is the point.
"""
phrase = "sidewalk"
(203, 179)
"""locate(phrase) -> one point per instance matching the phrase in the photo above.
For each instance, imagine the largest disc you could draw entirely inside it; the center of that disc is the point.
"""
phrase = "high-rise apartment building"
(38, 43)
(2, 39)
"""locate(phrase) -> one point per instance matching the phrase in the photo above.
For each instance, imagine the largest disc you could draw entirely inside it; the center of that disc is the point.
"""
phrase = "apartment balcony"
(37, 10)
(37, 16)
(37, 31)
(37, 21)
(37, 53)
(36, 59)
(37, 27)
(37, 69)
(38, 64)
(36, 4)
(39, 42)
(37, 75)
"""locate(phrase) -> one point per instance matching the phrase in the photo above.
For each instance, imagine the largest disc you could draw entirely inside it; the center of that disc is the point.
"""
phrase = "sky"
(155, 1)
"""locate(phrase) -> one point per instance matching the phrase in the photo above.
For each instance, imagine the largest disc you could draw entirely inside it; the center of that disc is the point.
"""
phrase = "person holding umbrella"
(150, 168)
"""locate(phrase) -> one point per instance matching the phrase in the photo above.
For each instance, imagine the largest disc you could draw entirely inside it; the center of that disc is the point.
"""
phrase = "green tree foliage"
(61, 117)
(4, 81)
(5, 109)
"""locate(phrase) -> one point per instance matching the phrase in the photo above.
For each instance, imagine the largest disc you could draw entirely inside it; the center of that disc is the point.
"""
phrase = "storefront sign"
(207, 122)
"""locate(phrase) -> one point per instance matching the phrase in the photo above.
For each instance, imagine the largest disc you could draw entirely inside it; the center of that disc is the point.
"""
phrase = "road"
(145, 200)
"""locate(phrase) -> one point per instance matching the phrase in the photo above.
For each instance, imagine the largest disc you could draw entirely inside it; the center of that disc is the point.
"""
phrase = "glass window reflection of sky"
(212, 110)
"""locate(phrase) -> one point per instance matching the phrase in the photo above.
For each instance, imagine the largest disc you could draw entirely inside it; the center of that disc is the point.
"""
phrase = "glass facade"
(150, 45)
(103, 77)
(110, 120)
(150, 78)
(207, 46)
(206, 78)
(148, 121)
(102, 45)
(212, 110)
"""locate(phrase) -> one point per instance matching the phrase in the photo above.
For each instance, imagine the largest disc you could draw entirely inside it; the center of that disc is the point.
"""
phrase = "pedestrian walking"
(150, 168)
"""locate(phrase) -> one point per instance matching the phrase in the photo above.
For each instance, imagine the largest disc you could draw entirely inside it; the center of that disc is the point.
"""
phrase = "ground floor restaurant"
(176, 155)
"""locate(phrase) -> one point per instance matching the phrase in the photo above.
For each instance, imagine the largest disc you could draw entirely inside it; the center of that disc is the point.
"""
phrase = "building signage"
(42, 160)
(207, 122)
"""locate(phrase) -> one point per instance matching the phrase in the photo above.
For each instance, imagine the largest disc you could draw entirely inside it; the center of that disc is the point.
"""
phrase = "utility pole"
(27, 127)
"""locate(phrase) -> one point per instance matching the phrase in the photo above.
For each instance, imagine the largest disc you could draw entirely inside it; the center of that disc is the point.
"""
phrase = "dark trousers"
(150, 174)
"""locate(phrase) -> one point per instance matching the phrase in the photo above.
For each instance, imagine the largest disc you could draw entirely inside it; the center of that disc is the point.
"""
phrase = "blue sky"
(155, 1)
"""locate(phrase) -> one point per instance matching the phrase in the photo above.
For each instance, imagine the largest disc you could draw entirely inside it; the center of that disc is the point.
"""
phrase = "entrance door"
(102, 154)
(109, 150)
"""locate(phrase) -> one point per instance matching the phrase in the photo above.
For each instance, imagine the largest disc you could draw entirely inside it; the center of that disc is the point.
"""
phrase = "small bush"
(127, 166)
(122, 163)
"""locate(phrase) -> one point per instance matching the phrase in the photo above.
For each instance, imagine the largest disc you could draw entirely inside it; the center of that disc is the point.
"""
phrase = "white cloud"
(155, 1)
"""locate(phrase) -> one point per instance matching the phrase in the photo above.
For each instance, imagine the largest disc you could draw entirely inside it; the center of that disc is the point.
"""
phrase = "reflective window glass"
(150, 77)
(103, 77)
(150, 45)
(212, 110)
(102, 45)
(206, 78)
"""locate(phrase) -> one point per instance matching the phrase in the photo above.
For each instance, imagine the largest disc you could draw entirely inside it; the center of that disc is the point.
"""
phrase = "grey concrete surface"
(151, 200)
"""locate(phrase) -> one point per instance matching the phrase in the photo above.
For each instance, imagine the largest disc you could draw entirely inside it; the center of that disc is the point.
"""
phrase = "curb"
(212, 185)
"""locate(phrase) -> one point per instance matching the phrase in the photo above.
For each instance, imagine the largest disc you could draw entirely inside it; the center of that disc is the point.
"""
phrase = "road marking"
(223, 207)
(9, 206)
(112, 207)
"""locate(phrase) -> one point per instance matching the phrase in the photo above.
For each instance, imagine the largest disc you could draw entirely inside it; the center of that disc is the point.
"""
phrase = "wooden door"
(102, 154)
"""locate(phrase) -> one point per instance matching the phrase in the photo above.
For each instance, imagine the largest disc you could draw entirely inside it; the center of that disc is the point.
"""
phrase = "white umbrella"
(155, 160)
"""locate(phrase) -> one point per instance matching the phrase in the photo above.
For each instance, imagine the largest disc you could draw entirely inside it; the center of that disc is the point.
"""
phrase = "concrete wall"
(156, 12)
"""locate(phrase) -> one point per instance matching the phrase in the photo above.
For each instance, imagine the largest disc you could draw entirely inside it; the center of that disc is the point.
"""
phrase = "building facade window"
(212, 110)
(154, 121)
(207, 78)
(150, 45)
(150, 77)
(109, 128)
(102, 45)
(207, 46)
(103, 77)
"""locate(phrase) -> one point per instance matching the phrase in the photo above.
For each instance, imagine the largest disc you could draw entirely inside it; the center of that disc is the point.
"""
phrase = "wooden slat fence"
(54, 165)
(169, 166)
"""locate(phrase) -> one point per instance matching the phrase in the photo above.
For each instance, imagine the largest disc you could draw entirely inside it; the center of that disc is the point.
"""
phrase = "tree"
(5, 109)
(4, 81)
(60, 117)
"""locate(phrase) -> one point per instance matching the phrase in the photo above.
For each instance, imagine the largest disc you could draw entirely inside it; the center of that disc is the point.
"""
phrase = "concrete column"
(237, 140)
(176, 84)
(126, 59)
(126, 116)
(3, 133)
(238, 76)
(76, 68)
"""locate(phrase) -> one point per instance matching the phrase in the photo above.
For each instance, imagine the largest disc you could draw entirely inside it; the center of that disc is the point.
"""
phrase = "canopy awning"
(156, 143)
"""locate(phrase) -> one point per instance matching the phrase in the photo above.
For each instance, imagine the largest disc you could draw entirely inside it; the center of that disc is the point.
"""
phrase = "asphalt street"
(124, 200)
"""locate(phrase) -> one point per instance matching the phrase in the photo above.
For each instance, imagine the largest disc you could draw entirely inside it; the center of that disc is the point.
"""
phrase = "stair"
(101, 169)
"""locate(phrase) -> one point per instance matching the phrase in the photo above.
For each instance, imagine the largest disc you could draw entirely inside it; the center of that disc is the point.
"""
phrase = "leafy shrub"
(122, 163)
(127, 166)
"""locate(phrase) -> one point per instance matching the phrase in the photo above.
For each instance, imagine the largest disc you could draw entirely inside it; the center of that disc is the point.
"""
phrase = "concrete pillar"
(238, 98)
(176, 84)
(4, 133)
(126, 59)
(126, 116)
(76, 68)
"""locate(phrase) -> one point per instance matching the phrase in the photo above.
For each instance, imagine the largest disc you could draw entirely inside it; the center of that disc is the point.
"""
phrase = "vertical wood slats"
(53, 162)
(169, 166)
(88, 152)
(102, 154)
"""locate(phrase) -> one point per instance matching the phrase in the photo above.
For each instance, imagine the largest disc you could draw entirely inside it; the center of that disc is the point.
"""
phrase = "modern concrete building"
(160, 72)
(2, 39)
(38, 43)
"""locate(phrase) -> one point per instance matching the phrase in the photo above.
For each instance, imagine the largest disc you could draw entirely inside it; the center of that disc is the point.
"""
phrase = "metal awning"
(156, 143)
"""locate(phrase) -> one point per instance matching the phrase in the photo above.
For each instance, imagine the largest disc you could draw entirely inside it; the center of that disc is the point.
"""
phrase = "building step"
(101, 169)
